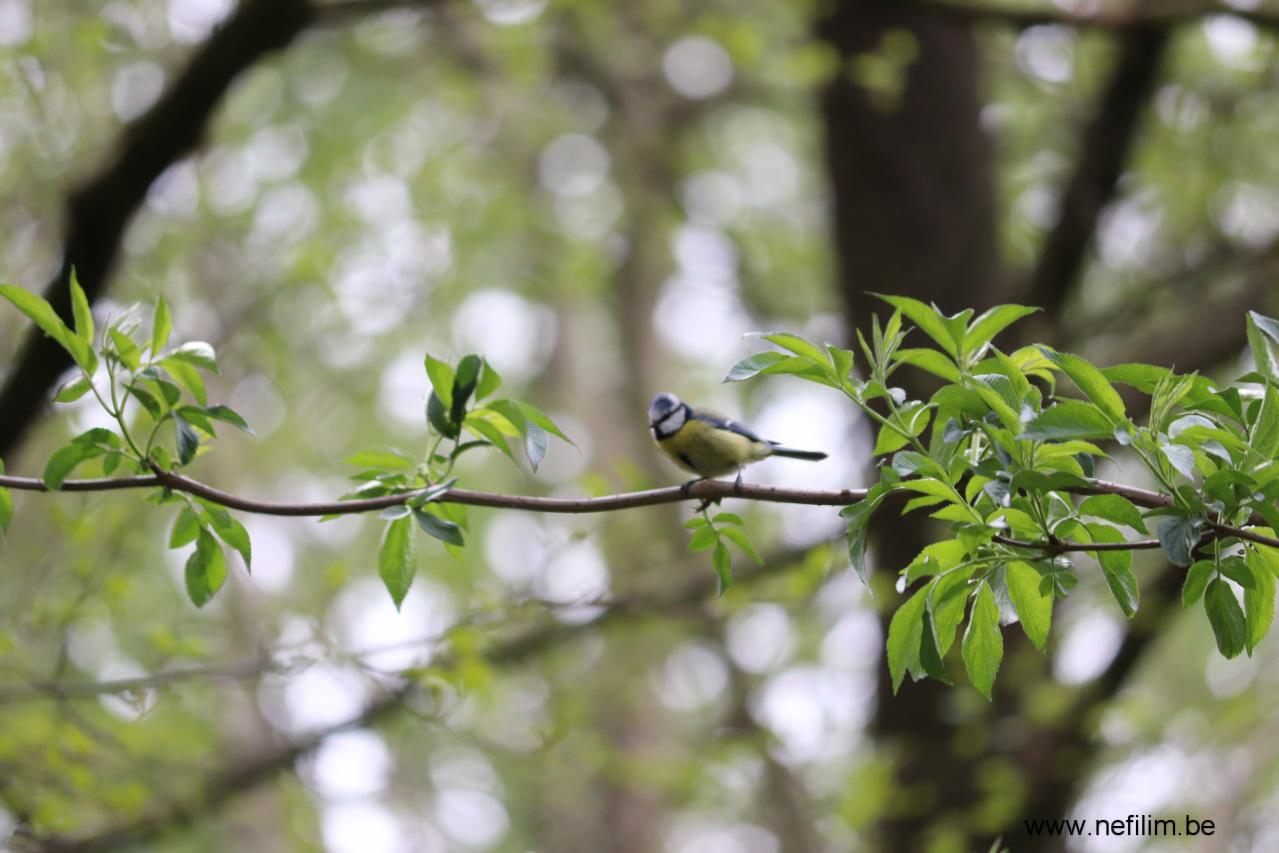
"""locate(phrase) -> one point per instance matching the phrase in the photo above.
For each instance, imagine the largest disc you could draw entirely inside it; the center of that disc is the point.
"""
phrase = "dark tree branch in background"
(1022, 16)
(224, 785)
(99, 212)
(1105, 143)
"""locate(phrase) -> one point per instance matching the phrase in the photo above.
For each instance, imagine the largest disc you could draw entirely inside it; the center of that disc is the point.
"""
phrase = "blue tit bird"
(709, 444)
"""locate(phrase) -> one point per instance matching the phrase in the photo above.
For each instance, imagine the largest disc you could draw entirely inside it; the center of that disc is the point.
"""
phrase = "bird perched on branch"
(709, 444)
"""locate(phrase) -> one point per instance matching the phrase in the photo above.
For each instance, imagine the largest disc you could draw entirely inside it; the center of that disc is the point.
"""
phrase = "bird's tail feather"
(792, 453)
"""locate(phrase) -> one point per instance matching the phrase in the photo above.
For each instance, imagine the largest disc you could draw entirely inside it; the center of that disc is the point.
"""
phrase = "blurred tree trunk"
(913, 194)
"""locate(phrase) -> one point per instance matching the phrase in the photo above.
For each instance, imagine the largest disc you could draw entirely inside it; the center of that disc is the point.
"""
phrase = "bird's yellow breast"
(709, 451)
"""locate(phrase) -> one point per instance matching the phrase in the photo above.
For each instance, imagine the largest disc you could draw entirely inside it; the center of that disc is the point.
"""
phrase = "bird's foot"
(686, 489)
(737, 484)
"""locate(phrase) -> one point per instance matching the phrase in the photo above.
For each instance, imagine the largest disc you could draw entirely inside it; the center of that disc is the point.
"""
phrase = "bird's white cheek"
(673, 423)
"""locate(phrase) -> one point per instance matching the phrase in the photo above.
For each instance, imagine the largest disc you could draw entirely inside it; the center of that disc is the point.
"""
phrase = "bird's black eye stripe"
(666, 417)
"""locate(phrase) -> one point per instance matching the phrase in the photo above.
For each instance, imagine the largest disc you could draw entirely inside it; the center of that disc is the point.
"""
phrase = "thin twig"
(1067, 547)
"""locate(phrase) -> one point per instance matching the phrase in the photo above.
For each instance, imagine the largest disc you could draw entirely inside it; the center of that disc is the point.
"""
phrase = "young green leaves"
(715, 534)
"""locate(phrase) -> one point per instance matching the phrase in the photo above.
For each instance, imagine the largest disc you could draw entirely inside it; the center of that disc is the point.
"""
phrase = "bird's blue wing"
(720, 422)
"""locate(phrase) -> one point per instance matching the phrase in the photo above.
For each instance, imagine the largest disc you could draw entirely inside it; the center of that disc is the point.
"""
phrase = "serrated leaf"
(205, 569)
(185, 528)
(703, 539)
(1229, 625)
(1178, 537)
(73, 390)
(905, 633)
(928, 318)
(1264, 436)
(490, 381)
(992, 322)
(232, 532)
(197, 354)
(1091, 381)
(739, 538)
(187, 438)
(536, 443)
(441, 529)
(441, 376)
(187, 376)
(1197, 577)
(161, 326)
(1067, 419)
(397, 559)
(753, 364)
(723, 563)
(382, 458)
(802, 347)
(1259, 602)
(1034, 606)
(64, 460)
(1114, 508)
(80, 311)
(929, 360)
(42, 314)
(1117, 567)
(983, 645)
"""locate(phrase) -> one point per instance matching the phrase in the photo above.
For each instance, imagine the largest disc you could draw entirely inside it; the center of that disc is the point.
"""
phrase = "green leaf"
(464, 382)
(230, 531)
(1197, 577)
(205, 569)
(536, 443)
(6, 505)
(197, 354)
(1092, 382)
(42, 314)
(1178, 537)
(858, 517)
(928, 318)
(1226, 617)
(186, 376)
(188, 440)
(441, 529)
(905, 632)
(537, 416)
(80, 311)
(946, 606)
(800, 346)
(490, 381)
(1264, 438)
(381, 457)
(229, 415)
(930, 360)
(992, 322)
(441, 376)
(489, 431)
(438, 416)
(739, 538)
(397, 559)
(1034, 607)
(703, 539)
(126, 349)
(64, 460)
(185, 528)
(1068, 419)
(983, 645)
(1259, 602)
(723, 563)
(148, 402)
(727, 518)
(161, 326)
(1261, 352)
(1117, 567)
(1114, 508)
(73, 390)
(754, 364)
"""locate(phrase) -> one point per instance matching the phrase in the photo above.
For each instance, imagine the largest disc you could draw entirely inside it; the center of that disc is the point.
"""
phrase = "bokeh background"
(602, 198)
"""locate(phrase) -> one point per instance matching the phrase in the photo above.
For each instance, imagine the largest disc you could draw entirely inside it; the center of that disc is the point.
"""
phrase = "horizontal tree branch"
(703, 490)
(1060, 547)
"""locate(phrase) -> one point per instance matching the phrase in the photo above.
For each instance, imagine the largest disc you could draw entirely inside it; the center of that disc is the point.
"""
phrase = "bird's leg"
(737, 484)
(685, 489)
